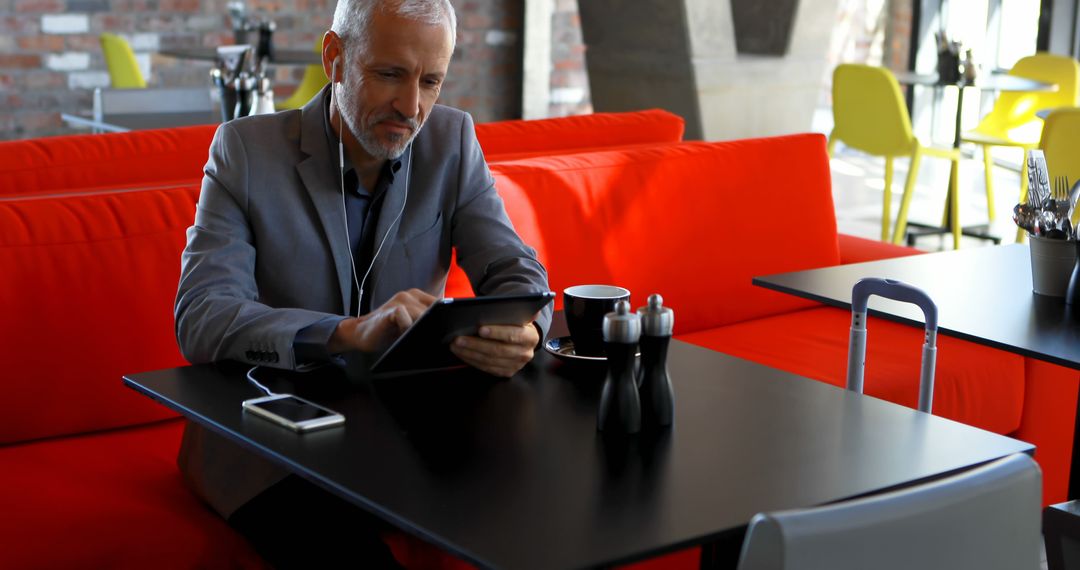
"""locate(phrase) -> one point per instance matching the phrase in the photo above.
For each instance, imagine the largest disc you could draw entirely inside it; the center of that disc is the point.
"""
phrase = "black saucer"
(563, 348)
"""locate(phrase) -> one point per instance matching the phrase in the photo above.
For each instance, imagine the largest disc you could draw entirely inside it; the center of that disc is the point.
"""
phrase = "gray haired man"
(329, 229)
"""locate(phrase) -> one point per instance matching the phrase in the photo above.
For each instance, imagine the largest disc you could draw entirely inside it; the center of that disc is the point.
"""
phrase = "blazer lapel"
(393, 201)
(319, 172)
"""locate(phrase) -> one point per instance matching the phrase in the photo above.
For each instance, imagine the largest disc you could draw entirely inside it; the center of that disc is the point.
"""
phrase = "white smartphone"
(293, 412)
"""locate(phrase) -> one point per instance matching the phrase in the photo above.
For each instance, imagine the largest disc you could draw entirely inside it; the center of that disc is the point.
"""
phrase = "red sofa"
(91, 229)
(90, 233)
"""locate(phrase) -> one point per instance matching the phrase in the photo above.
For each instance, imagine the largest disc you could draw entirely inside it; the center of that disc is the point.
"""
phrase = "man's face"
(390, 87)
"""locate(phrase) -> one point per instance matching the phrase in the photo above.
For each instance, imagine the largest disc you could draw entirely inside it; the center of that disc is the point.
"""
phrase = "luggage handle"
(897, 291)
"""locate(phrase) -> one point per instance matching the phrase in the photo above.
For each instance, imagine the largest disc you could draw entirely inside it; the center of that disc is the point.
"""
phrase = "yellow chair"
(123, 69)
(314, 79)
(1060, 143)
(1012, 121)
(870, 116)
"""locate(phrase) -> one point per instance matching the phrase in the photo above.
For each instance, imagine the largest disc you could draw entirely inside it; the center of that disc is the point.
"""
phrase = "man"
(329, 229)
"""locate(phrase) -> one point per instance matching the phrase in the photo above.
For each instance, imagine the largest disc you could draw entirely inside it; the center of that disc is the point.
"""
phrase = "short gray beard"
(374, 147)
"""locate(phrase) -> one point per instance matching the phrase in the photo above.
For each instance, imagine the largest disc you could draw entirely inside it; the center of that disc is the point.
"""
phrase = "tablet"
(426, 344)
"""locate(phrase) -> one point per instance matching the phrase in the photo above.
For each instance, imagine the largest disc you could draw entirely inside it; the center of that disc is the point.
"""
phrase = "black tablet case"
(426, 344)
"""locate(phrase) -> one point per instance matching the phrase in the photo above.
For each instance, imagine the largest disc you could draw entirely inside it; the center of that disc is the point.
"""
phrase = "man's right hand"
(378, 329)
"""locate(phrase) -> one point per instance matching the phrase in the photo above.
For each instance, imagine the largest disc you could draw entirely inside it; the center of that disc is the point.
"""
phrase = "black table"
(987, 82)
(512, 473)
(983, 295)
(280, 56)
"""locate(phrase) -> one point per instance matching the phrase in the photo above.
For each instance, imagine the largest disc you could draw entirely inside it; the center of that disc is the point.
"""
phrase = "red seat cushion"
(91, 283)
(974, 384)
(118, 160)
(109, 500)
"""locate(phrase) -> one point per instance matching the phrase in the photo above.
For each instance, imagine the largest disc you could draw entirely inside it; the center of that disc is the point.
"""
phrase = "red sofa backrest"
(167, 157)
(87, 296)
(81, 163)
(567, 134)
(692, 221)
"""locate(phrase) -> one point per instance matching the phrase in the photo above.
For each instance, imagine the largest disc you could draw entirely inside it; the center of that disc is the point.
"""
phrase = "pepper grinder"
(620, 408)
(245, 95)
(657, 397)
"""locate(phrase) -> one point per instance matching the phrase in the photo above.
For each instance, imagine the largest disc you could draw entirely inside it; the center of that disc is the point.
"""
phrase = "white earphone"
(344, 210)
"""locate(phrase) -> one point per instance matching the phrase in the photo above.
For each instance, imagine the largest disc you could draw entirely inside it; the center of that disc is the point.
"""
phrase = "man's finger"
(518, 335)
(501, 333)
(422, 296)
(402, 317)
(496, 367)
(502, 354)
(491, 348)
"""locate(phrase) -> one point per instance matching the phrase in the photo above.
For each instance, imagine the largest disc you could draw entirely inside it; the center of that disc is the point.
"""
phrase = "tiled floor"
(858, 189)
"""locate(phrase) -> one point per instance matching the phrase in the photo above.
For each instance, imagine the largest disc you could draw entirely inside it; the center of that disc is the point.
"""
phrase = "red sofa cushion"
(974, 384)
(591, 218)
(117, 160)
(90, 295)
(110, 500)
(579, 132)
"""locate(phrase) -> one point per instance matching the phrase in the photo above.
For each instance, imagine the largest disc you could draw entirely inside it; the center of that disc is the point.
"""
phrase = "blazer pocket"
(434, 227)
(428, 262)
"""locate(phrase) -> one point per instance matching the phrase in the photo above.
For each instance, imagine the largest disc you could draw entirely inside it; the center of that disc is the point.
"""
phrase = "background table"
(142, 121)
(120, 110)
(512, 473)
(280, 56)
(987, 82)
(983, 296)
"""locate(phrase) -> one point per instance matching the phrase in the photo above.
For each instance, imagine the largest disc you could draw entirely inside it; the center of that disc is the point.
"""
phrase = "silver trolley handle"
(897, 291)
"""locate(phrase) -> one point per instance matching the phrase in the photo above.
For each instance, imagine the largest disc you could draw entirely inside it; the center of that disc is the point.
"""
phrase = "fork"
(1056, 217)
(1061, 187)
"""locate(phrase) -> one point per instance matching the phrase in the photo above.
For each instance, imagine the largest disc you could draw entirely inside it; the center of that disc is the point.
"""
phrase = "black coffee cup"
(585, 307)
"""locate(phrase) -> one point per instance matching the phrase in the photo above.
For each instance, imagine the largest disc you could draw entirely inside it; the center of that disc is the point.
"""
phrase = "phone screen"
(293, 409)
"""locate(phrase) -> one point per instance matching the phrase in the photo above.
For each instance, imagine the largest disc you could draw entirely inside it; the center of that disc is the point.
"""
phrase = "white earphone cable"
(251, 378)
(404, 201)
(345, 212)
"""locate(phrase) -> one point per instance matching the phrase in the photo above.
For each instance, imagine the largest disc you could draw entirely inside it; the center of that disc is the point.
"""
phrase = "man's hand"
(500, 350)
(379, 328)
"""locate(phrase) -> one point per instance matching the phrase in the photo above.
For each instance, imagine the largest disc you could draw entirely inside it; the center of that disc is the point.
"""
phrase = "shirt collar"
(389, 167)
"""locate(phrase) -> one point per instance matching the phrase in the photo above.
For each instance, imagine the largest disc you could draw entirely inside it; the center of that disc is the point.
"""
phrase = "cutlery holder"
(1052, 262)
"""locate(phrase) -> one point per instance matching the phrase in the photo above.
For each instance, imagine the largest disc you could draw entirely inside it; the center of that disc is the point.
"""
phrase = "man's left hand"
(500, 350)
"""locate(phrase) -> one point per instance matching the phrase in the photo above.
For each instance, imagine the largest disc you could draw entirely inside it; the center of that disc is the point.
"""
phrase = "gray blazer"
(268, 254)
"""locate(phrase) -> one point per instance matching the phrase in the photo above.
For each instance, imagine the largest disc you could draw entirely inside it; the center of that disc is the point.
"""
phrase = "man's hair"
(352, 18)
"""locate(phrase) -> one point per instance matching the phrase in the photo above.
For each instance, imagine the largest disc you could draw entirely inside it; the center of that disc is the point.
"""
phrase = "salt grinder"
(620, 408)
(657, 397)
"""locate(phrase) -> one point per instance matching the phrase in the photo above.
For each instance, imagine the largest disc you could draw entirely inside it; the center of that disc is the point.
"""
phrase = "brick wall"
(50, 56)
(569, 78)
(485, 75)
(898, 35)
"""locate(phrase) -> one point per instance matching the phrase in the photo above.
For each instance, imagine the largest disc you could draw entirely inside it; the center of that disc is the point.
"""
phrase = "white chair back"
(987, 518)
